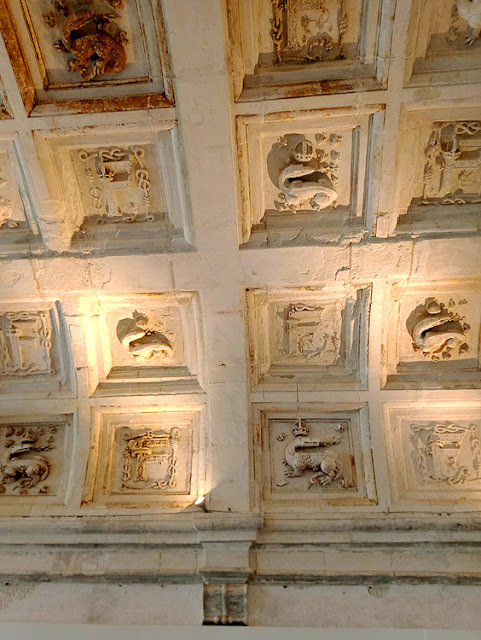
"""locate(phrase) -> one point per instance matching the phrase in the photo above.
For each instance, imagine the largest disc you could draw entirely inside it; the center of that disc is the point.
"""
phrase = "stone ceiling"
(240, 259)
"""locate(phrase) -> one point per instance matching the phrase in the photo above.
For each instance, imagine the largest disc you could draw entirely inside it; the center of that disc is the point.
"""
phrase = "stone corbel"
(225, 567)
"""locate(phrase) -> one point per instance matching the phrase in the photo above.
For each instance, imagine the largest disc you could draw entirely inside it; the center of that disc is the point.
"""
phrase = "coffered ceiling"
(240, 259)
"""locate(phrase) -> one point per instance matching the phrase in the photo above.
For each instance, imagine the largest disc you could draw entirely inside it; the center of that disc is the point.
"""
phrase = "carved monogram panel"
(112, 191)
(93, 50)
(452, 170)
(297, 42)
(317, 458)
(303, 179)
(33, 460)
(25, 343)
(446, 453)
(310, 31)
(118, 183)
(443, 171)
(144, 458)
(150, 460)
(308, 336)
(35, 356)
(434, 338)
(434, 455)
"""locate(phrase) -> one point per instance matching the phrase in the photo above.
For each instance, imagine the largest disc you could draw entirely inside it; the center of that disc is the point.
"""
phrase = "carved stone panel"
(309, 337)
(281, 46)
(142, 344)
(18, 227)
(444, 171)
(96, 55)
(434, 455)
(142, 458)
(302, 179)
(433, 337)
(112, 191)
(34, 461)
(319, 456)
(445, 47)
(35, 356)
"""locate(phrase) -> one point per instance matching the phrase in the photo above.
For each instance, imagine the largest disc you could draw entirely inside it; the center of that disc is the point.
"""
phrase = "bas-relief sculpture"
(301, 456)
(119, 184)
(452, 169)
(6, 208)
(87, 36)
(313, 333)
(142, 340)
(470, 11)
(445, 453)
(25, 463)
(155, 460)
(308, 30)
(307, 182)
(439, 333)
(25, 343)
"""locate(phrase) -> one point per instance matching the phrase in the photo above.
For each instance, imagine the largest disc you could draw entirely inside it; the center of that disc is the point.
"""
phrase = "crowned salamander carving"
(24, 470)
(299, 456)
(85, 34)
(141, 341)
(308, 180)
(437, 331)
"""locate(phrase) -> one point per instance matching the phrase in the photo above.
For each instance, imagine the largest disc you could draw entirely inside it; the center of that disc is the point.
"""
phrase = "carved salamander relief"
(314, 460)
(307, 453)
(141, 339)
(307, 182)
(25, 465)
(98, 49)
(438, 332)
